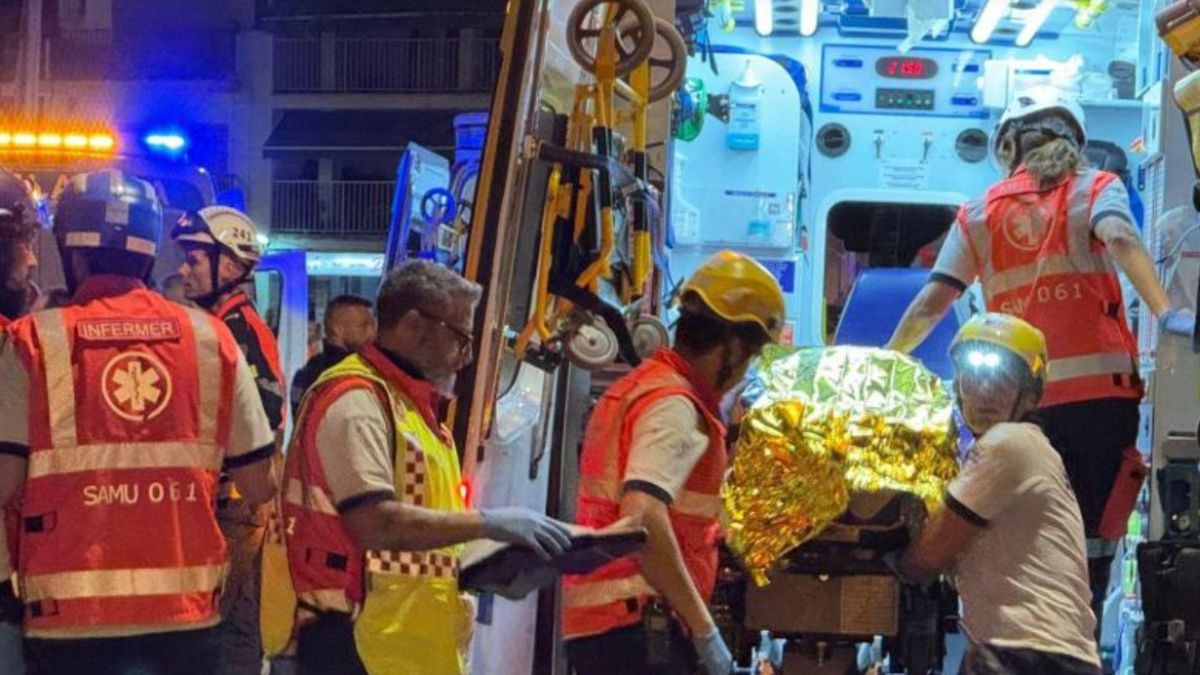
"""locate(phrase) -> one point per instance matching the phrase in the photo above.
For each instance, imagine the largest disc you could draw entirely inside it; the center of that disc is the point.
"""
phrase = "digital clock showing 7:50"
(906, 68)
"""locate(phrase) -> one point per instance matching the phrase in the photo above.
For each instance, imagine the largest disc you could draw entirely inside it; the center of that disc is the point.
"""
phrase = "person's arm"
(923, 315)
(256, 482)
(943, 538)
(391, 525)
(1125, 246)
(354, 445)
(954, 270)
(997, 474)
(251, 446)
(661, 560)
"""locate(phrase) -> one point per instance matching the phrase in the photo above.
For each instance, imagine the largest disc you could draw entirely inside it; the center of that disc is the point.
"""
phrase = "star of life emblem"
(137, 387)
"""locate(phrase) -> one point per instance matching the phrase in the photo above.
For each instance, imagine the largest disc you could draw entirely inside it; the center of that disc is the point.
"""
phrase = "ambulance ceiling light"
(989, 18)
(810, 15)
(764, 17)
(1034, 20)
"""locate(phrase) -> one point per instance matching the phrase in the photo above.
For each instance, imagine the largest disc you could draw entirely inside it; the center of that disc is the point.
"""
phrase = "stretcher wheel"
(668, 60)
(593, 345)
(649, 334)
(634, 33)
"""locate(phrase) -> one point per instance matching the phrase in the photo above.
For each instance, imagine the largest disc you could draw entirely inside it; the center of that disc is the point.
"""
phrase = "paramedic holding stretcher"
(1042, 243)
(654, 452)
(375, 519)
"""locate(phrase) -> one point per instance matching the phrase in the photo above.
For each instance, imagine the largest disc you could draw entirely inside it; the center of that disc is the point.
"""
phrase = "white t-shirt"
(667, 441)
(354, 444)
(1024, 579)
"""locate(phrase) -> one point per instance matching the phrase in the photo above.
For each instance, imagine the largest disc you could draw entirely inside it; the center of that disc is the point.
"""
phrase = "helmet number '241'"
(1060, 292)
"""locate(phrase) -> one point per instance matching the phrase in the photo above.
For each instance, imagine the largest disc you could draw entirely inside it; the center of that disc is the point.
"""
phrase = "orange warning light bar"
(29, 140)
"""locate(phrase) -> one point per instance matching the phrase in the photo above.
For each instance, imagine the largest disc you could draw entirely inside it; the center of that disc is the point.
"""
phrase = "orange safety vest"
(239, 302)
(129, 409)
(614, 595)
(1037, 259)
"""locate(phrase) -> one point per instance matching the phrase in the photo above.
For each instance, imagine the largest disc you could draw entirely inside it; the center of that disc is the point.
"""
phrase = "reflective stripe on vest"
(144, 459)
(122, 582)
(1039, 260)
(611, 596)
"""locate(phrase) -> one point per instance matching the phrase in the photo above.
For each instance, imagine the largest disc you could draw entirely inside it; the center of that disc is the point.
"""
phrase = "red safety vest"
(325, 564)
(129, 410)
(1037, 259)
(239, 302)
(614, 595)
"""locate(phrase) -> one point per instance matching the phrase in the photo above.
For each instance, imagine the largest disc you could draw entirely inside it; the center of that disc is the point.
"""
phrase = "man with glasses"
(373, 512)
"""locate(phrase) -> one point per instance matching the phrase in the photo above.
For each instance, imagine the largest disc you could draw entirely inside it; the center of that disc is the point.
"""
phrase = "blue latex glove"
(714, 655)
(1177, 321)
(513, 525)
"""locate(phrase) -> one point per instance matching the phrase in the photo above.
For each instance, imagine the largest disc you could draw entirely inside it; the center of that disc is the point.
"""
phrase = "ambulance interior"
(834, 143)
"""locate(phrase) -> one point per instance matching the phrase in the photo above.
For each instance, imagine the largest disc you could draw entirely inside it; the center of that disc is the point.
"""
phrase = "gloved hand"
(514, 525)
(1177, 321)
(714, 655)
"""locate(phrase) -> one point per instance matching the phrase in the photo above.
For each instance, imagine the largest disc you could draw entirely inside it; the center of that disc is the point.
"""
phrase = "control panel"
(874, 80)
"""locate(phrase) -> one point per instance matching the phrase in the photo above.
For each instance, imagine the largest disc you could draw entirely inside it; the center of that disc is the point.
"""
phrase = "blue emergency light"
(166, 142)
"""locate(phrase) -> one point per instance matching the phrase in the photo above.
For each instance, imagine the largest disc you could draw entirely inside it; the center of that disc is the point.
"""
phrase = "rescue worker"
(349, 324)
(221, 250)
(654, 453)
(1011, 528)
(18, 227)
(372, 501)
(116, 415)
(1042, 243)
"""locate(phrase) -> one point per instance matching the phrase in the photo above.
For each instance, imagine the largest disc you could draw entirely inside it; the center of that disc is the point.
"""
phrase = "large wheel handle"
(634, 28)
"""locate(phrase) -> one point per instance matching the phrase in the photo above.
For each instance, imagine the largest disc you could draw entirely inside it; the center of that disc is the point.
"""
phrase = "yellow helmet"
(1010, 333)
(740, 290)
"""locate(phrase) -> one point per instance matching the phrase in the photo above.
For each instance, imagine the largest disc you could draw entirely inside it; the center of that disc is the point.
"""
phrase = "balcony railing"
(370, 65)
(331, 208)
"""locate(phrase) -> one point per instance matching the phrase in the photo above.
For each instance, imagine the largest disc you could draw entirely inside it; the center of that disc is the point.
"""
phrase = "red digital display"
(906, 68)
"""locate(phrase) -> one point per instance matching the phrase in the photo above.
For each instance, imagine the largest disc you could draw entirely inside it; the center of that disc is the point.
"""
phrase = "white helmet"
(224, 227)
(1037, 101)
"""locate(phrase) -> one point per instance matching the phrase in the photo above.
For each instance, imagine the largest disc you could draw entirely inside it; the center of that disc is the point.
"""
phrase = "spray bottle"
(745, 96)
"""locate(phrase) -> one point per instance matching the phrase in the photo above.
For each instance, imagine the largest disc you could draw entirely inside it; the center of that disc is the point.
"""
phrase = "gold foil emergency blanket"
(832, 421)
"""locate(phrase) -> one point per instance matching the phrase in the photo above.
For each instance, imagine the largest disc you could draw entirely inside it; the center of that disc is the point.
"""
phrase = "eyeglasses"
(463, 337)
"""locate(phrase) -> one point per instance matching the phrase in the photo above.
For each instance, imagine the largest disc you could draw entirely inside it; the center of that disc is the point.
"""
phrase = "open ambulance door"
(281, 295)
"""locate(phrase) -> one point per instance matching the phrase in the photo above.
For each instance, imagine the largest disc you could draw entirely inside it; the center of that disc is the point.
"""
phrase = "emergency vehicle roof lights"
(167, 142)
(52, 141)
(810, 17)
(989, 18)
(764, 17)
(1034, 21)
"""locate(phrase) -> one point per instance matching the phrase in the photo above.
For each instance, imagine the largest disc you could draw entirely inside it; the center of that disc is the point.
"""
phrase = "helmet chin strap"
(219, 290)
